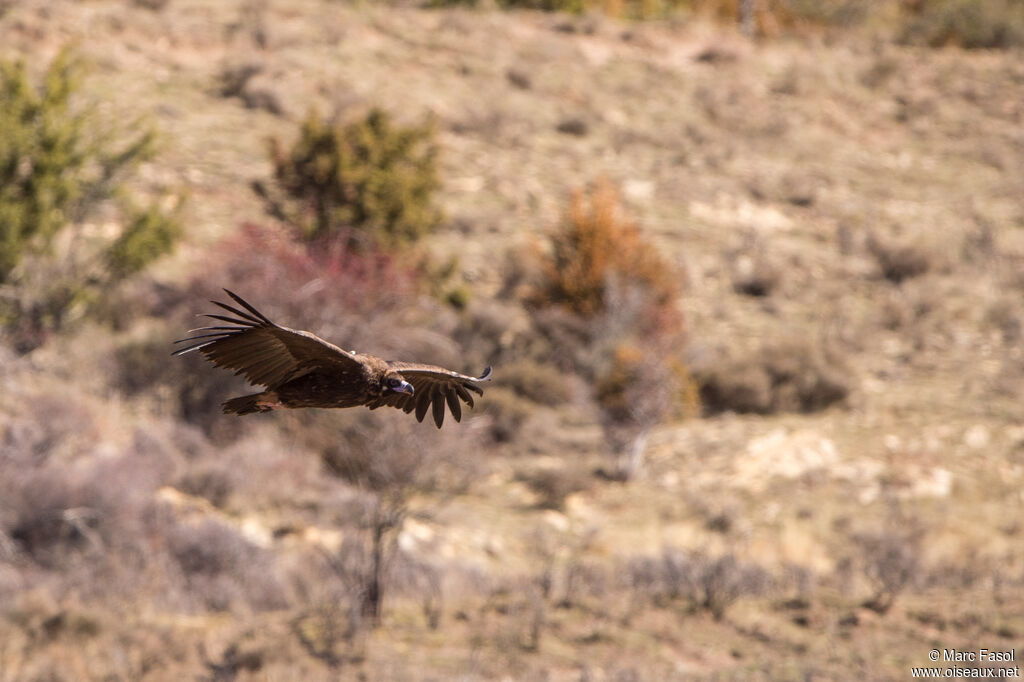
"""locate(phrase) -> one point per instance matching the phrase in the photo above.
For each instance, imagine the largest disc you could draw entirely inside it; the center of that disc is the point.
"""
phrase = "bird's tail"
(247, 404)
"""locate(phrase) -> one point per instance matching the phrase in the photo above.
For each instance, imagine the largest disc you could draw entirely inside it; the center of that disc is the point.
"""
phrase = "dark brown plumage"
(299, 369)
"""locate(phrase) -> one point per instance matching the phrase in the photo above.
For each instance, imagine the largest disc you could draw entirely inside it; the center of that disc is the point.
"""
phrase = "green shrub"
(370, 180)
(54, 164)
(57, 166)
(150, 234)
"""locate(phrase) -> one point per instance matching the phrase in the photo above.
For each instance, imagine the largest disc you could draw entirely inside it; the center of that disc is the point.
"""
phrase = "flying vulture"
(299, 369)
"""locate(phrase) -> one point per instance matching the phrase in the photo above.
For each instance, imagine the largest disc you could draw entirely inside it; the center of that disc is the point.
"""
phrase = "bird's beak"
(404, 387)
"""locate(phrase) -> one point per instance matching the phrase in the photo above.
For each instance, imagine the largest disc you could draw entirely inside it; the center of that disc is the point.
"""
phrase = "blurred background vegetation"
(749, 272)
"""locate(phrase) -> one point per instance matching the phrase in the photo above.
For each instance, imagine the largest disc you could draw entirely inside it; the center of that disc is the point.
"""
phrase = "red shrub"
(324, 284)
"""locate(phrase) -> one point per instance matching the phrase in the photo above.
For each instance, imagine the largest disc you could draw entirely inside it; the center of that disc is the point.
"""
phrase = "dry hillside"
(839, 491)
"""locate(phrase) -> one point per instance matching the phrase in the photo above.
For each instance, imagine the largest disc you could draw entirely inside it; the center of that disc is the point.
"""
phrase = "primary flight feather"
(299, 369)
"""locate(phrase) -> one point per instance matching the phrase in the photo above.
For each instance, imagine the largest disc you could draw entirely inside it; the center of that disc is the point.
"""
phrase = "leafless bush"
(554, 484)
(362, 566)
(972, 24)
(585, 581)
(521, 611)
(420, 580)
(628, 351)
(369, 566)
(891, 560)
(1005, 315)
(143, 366)
(792, 376)
(234, 660)
(540, 383)
(222, 568)
(391, 460)
(213, 482)
(47, 426)
(508, 412)
(331, 631)
(706, 582)
(57, 512)
(638, 385)
(718, 582)
(491, 331)
(50, 516)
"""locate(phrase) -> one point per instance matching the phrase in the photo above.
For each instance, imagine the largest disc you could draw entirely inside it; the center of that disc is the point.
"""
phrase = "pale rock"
(977, 437)
(785, 455)
(638, 190)
(556, 520)
(935, 482)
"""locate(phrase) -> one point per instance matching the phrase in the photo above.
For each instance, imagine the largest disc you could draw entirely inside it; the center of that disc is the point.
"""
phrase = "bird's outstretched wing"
(265, 353)
(434, 387)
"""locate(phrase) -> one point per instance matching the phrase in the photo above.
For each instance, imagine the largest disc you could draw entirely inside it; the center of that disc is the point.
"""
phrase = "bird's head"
(394, 383)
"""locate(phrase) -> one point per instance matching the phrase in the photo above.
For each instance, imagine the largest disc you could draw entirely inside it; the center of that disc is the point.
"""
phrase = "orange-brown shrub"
(606, 302)
(595, 245)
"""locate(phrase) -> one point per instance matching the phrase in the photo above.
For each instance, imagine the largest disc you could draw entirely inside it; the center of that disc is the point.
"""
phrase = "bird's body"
(299, 369)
